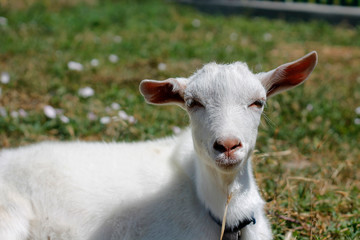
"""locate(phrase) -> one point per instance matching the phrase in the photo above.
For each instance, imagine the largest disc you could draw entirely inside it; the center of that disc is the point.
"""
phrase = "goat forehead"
(225, 81)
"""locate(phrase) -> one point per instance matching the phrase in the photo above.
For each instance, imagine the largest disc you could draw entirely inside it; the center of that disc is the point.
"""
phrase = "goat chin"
(227, 163)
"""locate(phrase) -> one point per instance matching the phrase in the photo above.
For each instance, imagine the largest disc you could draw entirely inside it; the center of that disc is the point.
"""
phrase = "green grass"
(312, 189)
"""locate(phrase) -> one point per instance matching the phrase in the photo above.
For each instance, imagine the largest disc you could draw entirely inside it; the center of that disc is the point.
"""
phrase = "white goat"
(173, 188)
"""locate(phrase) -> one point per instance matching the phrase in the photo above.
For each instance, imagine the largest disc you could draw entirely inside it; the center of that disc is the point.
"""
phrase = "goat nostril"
(227, 145)
(238, 145)
(218, 147)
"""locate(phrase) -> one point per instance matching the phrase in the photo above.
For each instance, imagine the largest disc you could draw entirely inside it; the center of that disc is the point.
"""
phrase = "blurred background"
(70, 70)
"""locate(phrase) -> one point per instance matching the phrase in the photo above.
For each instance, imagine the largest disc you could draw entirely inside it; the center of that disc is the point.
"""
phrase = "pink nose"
(228, 146)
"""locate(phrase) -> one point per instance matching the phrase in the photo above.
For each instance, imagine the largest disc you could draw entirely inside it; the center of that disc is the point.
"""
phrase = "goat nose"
(227, 145)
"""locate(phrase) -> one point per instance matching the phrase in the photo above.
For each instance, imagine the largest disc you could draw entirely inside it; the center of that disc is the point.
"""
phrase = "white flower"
(3, 112)
(357, 121)
(117, 39)
(75, 66)
(22, 113)
(14, 114)
(91, 116)
(309, 107)
(115, 106)
(113, 58)
(229, 49)
(357, 110)
(94, 62)
(162, 66)
(244, 41)
(267, 37)
(96, 39)
(49, 112)
(64, 119)
(176, 130)
(233, 36)
(5, 78)
(108, 109)
(59, 111)
(3, 21)
(105, 120)
(196, 23)
(86, 92)
(132, 119)
(123, 115)
(258, 67)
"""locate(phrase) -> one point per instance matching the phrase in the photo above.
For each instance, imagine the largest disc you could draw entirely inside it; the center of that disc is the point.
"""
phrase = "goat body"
(162, 189)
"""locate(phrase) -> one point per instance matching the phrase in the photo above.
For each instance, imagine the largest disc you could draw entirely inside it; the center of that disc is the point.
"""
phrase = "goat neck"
(214, 186)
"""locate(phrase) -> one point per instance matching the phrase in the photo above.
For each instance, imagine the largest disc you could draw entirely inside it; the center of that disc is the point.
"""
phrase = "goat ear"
(288, 75)
(170, 91)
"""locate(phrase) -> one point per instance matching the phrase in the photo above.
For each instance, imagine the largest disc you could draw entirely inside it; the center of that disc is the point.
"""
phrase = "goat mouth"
(226, 162)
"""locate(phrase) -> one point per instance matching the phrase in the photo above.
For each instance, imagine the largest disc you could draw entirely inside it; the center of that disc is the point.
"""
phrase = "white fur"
(159, 189)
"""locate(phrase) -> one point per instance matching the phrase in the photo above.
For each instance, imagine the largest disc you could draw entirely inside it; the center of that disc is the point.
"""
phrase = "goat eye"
(191, 103)
(257, 103)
